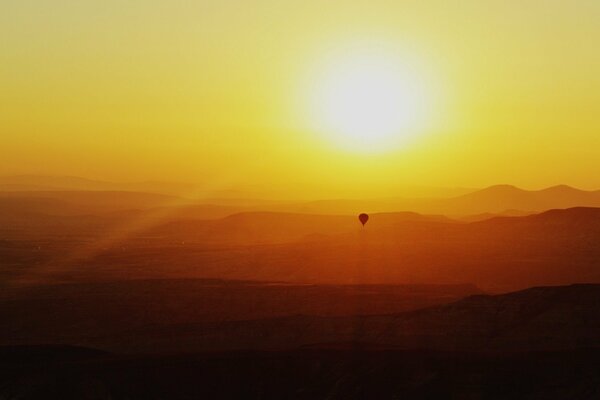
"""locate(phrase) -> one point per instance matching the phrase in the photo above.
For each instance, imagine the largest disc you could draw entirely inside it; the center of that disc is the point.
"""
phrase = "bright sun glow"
(369, 103)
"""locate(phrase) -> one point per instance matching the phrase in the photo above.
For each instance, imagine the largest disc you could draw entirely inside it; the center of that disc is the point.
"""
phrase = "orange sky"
(220, 92)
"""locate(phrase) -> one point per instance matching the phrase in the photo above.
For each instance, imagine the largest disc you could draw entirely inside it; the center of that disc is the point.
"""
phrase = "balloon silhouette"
(363, 218)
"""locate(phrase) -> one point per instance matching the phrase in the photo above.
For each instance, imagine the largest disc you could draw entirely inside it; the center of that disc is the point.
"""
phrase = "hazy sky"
(219, 91)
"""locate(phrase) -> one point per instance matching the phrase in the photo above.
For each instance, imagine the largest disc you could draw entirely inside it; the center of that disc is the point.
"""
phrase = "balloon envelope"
(363, 218)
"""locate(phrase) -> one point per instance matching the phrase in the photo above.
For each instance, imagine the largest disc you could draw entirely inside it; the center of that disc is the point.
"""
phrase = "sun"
(369, 103)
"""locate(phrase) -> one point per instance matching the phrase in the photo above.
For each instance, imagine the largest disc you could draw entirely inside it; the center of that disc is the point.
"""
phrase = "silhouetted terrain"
(124, 294)
(479, 347)
(76, 373)
(107, 314)
(540, 343)
(181, 317)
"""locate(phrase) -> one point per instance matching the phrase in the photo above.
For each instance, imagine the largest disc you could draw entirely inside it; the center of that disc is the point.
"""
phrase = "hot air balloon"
(363, 218)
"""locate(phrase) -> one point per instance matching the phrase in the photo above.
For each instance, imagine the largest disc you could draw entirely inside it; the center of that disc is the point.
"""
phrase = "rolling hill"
(500, 254)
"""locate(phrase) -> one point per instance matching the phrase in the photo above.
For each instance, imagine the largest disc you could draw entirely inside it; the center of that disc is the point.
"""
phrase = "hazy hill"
(73, 213)
(84, 212)
(74, 183)
(54, 182)
(90, 202)
(489, 215)
(23, 208)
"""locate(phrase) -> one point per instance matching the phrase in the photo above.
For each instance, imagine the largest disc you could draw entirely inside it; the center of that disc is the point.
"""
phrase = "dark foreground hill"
(110, 314)
(540, 319)
(65, 373)
(540, 343)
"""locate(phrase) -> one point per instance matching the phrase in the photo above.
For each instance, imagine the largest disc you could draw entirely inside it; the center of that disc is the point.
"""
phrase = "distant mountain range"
(505, 197)
(194, 190)
(495, 199)
(83, 196)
